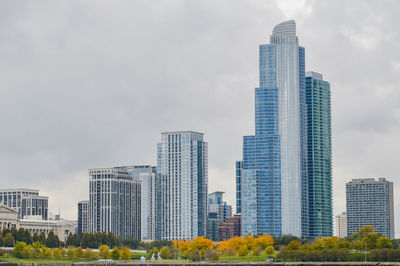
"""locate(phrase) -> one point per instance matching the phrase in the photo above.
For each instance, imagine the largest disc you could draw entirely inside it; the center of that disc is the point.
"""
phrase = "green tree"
(165, 253)
(57, 253)
(269, 250)
(371, 239)
(1, 240)
(27, 252)
(28, 236)
(384, 242)
(115, 254)
(125, 254)
(78, 252)
(104, 252)
(35, 237)
(8, 240)
(52, 240)
(293, 245)
(42, 238)
(19, 248)
(130, 242)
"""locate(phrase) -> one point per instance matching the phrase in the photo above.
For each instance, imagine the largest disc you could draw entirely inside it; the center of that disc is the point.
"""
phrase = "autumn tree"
(125, 254)
(115, 253)
(293, 245)
(104, 252)
(384, 242)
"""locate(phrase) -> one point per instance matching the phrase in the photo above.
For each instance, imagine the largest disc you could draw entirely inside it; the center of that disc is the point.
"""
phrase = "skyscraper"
(341, 225)
(319, 158)
(274, 191)
(217, 211)
(150, 199)
(370, 202)
(83, 207)
(239, 168)
(114, 202)
(183, 168)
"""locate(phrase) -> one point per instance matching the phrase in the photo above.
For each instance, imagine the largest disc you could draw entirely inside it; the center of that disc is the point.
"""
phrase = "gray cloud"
(93, 83)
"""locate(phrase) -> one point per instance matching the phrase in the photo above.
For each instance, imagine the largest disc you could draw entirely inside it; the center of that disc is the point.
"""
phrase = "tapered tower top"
(285, 28)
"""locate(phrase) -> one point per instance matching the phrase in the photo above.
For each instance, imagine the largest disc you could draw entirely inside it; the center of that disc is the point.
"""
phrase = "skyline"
(55, 135)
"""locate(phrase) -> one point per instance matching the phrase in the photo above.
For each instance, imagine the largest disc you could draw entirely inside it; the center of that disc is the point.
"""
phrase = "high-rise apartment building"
(114, 202)
(218, 210)
(341, 225)
(150, 199)
(319, 155)
(230, 228)
(370, 202)
(27, 202)
(83, 207)
(183, 168)
(274, 180)
(239, 168)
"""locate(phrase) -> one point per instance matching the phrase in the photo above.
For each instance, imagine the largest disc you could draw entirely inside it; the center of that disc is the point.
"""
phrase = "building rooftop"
(181, 132)
(285, 28)
(314, 75)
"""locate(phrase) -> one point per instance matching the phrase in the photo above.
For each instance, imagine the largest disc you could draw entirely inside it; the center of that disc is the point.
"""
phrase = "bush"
(230, 252)
(269, 250)
(27, 252)
(104, 252)
(115, 254)
(19, 248)
(57, 253)
(165, 253)
(125, 254)
(78, 252)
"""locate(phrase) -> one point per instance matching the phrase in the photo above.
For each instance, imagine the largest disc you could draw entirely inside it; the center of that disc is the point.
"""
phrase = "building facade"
(25, 202)
(230, 228)
(341, 225)
(319, 155)
(35, 224)
(239, 168)
(274, 189)
(370, 202)
(217, 211)
(114, 202)
(83, 210)
(183, 168)
(150, 200)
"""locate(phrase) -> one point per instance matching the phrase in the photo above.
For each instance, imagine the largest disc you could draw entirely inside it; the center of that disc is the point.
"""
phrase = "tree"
(8, 240)
(269, 250)
(52, 240)
(243, 250)
(35, 237)
(19, 248)
(104, 252)
(28, 236)
(42, 238)
(371, 240)
(212, 255)
(384, 242)
(130, 242)
(46, 252)
(36, 249)
(201, 244)
(88, 253)
(71, 252)
(27, 252)
(78, 252)
(293, 245)
(165, 253)
(57, 253)
(115, 254)
(262, 242)
(125, 254)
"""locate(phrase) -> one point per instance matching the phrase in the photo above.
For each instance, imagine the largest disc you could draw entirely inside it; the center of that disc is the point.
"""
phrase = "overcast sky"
(86, 84)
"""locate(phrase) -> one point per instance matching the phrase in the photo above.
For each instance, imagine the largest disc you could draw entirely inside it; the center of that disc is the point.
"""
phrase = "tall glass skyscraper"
(183, 168)
(318, 98)
(274, 191)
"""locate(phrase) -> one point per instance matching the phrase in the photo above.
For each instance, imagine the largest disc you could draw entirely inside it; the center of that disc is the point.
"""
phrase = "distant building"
(114, 202)
(370, 202)
(230, 228)
(25, 202)
(9, 219)
(218, 210)
(239, 169)
(341, 225)
(83, 207)
(183, 168)
(150, 200)
(319, 156)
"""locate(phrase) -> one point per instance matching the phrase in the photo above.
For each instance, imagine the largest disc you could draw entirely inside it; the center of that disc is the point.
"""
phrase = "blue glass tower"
(274, 191)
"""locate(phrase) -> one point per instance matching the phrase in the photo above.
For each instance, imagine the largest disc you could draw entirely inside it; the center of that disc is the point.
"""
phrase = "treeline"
(366, 244)
(10, 236)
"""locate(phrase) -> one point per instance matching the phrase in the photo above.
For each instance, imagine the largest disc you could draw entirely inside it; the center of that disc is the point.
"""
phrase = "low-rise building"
(35, 224)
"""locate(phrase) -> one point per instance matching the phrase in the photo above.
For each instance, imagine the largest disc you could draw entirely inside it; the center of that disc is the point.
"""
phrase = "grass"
(12, 259)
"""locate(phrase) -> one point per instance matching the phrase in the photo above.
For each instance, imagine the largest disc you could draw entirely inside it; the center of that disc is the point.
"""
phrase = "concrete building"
(35, 224)
(83, 207)
(150, 199)
(230, 228)
(25, 202)
(114, 202)
(370, 202)
(341, 225)
(183, 168)
(218, 210)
